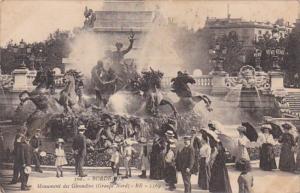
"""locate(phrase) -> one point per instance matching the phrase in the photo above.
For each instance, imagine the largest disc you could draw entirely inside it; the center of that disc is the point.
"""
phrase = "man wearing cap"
(35, 143)
(184, 162)
(25, 160)
(79, 148)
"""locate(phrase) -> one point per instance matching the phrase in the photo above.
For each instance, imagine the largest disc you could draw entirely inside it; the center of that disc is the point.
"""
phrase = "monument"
(118, 19)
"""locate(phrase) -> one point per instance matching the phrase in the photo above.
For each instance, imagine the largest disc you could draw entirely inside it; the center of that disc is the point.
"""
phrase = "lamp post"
(21, 53)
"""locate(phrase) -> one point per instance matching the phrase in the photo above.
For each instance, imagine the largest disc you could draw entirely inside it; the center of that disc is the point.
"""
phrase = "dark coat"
(79, 145)
(35, 142)
(23, 155)
(185, 159)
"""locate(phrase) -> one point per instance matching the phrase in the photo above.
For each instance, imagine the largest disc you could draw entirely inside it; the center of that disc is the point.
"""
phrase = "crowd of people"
(202, 153)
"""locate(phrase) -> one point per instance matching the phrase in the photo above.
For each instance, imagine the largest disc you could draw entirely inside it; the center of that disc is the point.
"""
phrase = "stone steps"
(293, 99)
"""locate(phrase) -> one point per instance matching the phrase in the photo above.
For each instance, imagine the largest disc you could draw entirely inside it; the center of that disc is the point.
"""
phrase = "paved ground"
(264, 182)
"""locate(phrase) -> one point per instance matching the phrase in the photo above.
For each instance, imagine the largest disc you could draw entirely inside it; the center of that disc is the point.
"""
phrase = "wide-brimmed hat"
(81, 128)
(60, 140)
(287, 125)
(266, 126)
(241, 128)
(27, 170)
(169, 133)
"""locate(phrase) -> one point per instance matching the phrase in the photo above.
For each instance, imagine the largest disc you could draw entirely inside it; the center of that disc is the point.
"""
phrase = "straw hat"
(266, 126)
(169, 133)
(60, 140)
(81, 128)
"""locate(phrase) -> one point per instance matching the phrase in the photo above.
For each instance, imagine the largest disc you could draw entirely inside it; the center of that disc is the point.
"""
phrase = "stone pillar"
(218, 83)
(276, 78)
(20, 79)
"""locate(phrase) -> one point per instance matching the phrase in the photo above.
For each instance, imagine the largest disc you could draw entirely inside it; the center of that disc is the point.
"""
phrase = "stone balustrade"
(203, 83)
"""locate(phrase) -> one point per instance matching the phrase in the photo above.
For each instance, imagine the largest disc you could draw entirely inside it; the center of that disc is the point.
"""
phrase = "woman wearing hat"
(204, 167)
(242, 152)
(157, 163)
(287, 159)
(60, 157)
(266, 143)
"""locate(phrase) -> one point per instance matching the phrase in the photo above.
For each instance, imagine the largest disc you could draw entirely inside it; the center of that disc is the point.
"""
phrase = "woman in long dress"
(219, 180)
(204, 167)
(287, 158)
(242, 152)
(297, 168)
(267, 155)
(157, 163)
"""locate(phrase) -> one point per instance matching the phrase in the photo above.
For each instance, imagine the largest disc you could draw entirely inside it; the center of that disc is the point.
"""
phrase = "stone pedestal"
(23, 79)
(276, 78)
(218, 83)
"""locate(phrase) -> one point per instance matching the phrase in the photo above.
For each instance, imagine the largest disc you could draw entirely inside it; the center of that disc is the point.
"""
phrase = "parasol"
(251, 132)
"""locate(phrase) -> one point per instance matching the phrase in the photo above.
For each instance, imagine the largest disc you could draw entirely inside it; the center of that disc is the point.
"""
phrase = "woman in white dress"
(242, 152)
(60, 157)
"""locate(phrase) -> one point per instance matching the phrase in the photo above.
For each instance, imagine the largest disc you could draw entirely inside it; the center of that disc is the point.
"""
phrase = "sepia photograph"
(150, 96)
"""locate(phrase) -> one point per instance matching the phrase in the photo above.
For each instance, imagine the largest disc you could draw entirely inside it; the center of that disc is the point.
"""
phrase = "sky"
(33, 20)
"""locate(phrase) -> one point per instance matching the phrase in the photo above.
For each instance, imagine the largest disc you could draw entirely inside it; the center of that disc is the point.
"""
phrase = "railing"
(204, 81)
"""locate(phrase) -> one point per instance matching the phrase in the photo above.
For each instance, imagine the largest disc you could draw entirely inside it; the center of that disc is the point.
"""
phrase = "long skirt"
(157, 166)
(195, 167)
(204, 174)
(297, 167)
(267, 157)
(170, 174)
(287, 158)
(219, 180)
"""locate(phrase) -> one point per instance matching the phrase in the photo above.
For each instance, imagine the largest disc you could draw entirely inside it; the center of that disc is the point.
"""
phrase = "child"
(127, 153)
(115, 158)
(143, 157)
(60, 157)
(245, 179)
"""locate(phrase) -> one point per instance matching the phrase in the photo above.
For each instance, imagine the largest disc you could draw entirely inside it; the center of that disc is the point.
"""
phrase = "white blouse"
(205, 151)
(266, 138)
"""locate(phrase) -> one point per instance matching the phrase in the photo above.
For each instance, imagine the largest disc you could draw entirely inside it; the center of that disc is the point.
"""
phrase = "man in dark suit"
(35, 143)
(24, 156)
(185, 162)
(79, 148)
(17, 145)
